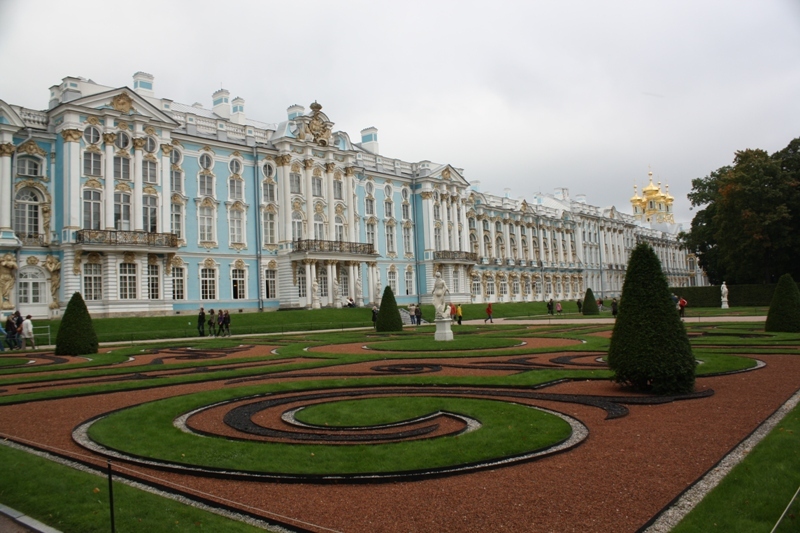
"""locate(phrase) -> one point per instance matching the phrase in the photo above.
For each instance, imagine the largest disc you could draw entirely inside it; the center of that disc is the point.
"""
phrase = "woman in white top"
(27, 333)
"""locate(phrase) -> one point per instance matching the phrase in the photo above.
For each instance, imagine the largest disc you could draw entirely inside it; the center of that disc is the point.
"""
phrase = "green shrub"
(388, 315)
(76, 335)
(649, 348)
(590, 304)
(784, 310)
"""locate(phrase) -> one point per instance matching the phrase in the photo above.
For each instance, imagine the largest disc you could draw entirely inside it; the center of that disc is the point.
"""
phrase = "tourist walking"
(212, 319)
(375, 317)
(580, 305)
(488, 314)
(411, 314)
(18, 328)
(459, 314)
(27, 333)
(220, 322)
(614, 307)
(682, 307)
(201, 322)
(558, 308)
(226, 323)
(550, 306)
(418, 314)
(3, 340)
(452, 312)
(11, 333)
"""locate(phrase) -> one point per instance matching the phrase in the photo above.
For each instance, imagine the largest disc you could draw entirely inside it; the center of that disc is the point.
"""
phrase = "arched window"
(301, 283)
(297, 226)
(26, 213)
(322, 278)
(31, 286)
(473, 243)
(338, 228)
(319, 227)
(29, 166)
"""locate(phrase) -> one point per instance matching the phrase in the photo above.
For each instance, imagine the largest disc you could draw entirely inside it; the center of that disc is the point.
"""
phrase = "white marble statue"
(439, 290)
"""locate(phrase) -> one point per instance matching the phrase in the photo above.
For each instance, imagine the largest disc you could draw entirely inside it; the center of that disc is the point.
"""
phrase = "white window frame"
(127, 281)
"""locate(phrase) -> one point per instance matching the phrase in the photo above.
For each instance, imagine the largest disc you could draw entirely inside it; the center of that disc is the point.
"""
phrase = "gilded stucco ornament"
(71, 136)
(109, 138)
(272, 265)
(123, 187)
(76, 265)
(209, 263)
(6, 150)
(150, 130)
(8, 266)
(239, 263)
(139, 142)
(94, 121)
(308, 164)
(122, 103)
(128, 257)
(53, 265)
(176, 261)
(32, 260)
(446, 174)
(152, 259)
(318, 127)
(30, 147)
(93, 184)
(122, 125)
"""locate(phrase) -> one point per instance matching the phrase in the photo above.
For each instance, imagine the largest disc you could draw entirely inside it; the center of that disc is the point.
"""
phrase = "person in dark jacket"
(614, 308)
(201, 322)
(374, 317)
(418, 314)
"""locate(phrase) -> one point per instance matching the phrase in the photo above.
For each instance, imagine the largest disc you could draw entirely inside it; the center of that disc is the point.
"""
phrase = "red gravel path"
(622, 475)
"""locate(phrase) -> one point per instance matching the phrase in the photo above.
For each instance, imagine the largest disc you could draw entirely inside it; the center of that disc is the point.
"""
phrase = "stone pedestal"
(315, 302)
(443, 331)
(725, 303)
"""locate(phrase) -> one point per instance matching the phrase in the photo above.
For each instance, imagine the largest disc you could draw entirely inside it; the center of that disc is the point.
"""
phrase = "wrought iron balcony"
(31, 239)
(127, 238)
(447, 255)
(312, 245)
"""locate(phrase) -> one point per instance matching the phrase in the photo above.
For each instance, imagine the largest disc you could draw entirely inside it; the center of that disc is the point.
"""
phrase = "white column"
(165, 221)
(507, 240)
(329, 167)
(72, 198)
(6, 151)
(108, 139)
(136, 200)
(493, 239)
(285, 226)
(308, 171)
(309, 281)
(329, 268)
(351, 208)
(445, 222)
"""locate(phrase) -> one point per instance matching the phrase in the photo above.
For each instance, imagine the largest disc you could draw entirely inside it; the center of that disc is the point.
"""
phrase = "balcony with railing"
(31, 239)
(342, 247)
(448, 255)
(126, 238)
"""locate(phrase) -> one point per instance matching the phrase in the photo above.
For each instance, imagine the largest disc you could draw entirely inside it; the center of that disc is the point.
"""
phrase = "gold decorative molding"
(176, 261)
(330, 167)
(128, 257)
(122, 103)
(150, 130)
(139, 142)
(176, 198)
(446, 173)
(308, 164)
(426, 195)
(297, 205)
(150, 190)
(207, 148)
(152, 259)
(209, 263)
(166, 149)
(32, 260)
(71, 136)
(319, 209)
(6, 150)
(150, 157)
(76, 265)
(93, 184)
(349, 171)
(339, 210)
(30, 147)
(296, 167)
(122, 186)
(94, 149)
(236, 153)
(109, 138)
(123, 153)
(271, 209)
(283, 160)
(122, 125)
(94, 121)
(272, 265)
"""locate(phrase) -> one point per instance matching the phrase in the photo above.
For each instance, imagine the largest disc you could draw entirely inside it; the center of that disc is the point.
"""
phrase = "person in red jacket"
(488, 314)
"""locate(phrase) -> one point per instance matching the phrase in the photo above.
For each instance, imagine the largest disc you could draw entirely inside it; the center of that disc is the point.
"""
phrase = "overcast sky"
(522, 95)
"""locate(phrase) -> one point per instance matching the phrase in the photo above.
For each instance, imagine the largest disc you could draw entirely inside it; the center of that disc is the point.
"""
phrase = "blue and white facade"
(151, 207)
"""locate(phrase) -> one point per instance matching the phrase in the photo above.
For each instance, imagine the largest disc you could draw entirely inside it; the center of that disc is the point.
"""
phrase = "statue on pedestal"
(439, 290)
(723, 290)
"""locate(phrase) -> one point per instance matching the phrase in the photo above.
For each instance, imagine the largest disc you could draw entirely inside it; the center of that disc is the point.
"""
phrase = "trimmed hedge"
(590, 304)
(738, 295)
(76, 335)
(649, 348)
(389, 318)
(784, 310)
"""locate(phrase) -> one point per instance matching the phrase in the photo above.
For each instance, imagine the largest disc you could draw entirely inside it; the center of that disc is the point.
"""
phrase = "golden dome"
(635, 197)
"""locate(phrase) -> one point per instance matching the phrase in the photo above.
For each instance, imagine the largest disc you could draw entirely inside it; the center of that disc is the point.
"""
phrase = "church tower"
(654, 205)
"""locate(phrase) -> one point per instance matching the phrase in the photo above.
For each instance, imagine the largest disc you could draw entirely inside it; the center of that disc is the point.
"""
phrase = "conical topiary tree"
(649, 347)
(389, 318)
(76, 335)
(590, 304)
(784, 310)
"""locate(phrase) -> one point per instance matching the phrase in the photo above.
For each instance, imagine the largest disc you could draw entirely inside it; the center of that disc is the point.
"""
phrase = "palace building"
(152, 207)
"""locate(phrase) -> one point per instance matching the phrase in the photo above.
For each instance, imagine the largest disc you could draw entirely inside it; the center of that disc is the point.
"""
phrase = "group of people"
(17, 332)
(219, 324)
(551, 307)
(415, 313)
(681, 303)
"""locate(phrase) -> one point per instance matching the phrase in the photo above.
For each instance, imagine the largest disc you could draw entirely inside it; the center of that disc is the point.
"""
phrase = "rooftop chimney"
(238, 110)
(295, 111)
(143, 83)
(221, 103)
(369, 140)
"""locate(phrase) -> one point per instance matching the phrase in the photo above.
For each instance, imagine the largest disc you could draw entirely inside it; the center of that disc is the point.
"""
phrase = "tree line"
(748, 227)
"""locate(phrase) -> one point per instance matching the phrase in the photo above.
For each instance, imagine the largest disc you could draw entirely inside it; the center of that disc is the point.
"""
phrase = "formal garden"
(514, 425)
